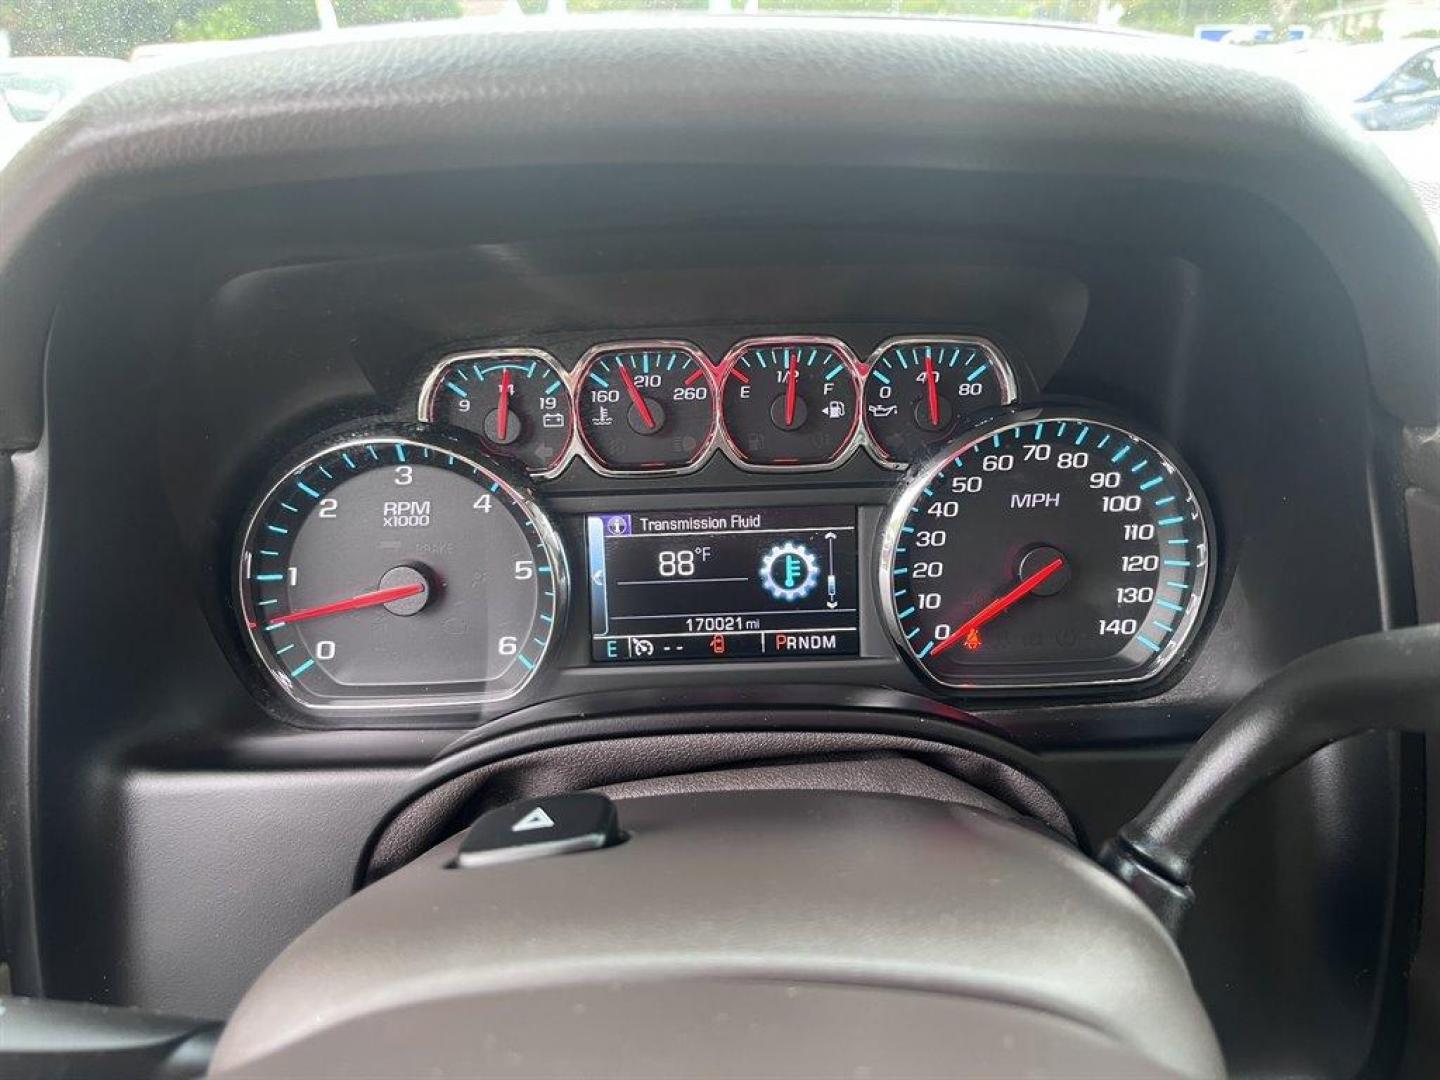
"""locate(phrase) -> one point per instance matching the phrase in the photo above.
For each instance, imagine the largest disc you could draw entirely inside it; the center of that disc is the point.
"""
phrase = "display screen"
(723, 584)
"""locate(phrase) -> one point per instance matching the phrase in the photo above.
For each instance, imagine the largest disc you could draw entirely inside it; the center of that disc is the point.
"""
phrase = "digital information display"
(721, 585)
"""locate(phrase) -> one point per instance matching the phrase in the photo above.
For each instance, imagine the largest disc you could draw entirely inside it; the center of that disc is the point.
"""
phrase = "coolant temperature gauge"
(646, 407)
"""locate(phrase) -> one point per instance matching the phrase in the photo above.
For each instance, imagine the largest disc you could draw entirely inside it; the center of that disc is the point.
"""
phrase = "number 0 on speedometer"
(1050, 549)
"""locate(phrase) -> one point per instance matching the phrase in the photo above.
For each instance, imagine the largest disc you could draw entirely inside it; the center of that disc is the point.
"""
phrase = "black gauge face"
(1054, 550)
(387, 573)
(646, 407)
(920, 391)
(789, 402)
(515, 401)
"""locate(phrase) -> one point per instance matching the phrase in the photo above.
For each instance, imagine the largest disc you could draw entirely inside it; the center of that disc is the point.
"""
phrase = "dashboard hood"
(962, 97)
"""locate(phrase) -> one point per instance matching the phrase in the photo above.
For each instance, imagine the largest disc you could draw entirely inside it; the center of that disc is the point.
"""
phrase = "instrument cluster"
(1035, 547)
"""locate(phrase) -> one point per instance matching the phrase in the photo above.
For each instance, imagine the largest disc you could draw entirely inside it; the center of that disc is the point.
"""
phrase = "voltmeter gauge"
(789, 402)
(516, 401)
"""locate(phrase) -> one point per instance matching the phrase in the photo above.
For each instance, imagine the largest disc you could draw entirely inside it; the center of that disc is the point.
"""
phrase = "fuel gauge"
(789, 402)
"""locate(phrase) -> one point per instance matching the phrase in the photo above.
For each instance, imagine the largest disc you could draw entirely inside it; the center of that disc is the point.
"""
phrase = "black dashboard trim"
(465, 756)
(957, 96)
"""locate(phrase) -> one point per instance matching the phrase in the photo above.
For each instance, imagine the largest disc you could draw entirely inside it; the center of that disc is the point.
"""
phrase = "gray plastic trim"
(803, 888)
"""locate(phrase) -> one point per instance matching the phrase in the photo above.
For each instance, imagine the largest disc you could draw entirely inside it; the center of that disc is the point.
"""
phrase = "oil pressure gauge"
(920, 390)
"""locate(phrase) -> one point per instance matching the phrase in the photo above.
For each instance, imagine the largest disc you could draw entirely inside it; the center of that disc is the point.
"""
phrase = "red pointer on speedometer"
(1004, 603)
(355, 603)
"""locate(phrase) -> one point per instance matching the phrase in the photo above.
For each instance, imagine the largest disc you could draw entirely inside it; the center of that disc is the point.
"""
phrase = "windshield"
(1376, 63)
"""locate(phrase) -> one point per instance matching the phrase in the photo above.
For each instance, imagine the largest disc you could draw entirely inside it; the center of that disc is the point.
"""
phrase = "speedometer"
(1052, 548)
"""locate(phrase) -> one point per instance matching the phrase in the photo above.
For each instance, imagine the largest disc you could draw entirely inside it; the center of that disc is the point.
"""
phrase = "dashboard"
(420, 568)
(432, 344)
(1101, 369)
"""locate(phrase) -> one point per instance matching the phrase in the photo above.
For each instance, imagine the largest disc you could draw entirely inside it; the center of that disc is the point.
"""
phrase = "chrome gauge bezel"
(584, 451)
(1009, 387)
(922, 475)
(852, 367)
(430, 389)
(718, 439)
(520, 495)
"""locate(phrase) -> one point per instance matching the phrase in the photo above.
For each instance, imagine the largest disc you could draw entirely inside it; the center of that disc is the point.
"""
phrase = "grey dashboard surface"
(954, 902)
(953, 96)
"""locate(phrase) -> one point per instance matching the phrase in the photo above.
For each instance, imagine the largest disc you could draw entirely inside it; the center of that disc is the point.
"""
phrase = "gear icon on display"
(789, 571)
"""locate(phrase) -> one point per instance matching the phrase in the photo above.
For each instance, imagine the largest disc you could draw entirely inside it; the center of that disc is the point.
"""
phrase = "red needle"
(639, 402)
(932, 390)
(790, 380)
(503, 423)
(995, 607)
(355, 603)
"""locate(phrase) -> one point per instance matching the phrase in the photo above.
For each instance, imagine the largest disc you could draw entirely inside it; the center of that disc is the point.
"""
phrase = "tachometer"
(390, 572)
(1051, 548)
